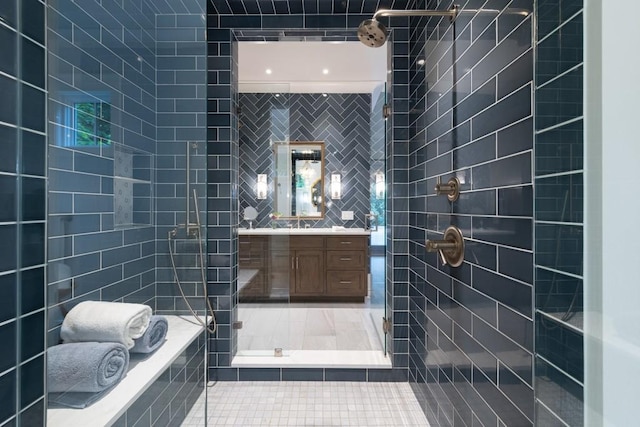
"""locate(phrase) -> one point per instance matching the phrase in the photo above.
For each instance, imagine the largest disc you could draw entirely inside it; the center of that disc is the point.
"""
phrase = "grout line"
(556, 29)
(553, 270)
(559, 369)
(567, 122)
(557, 174)
(558, 76)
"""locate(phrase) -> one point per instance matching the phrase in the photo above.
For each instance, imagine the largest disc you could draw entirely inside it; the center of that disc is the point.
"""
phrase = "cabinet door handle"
(345, 259)
(345, 243)
(345, 282)
(296, 263)
(292, 266)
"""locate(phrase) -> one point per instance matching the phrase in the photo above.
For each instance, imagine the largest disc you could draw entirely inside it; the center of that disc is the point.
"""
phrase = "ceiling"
(297, 67)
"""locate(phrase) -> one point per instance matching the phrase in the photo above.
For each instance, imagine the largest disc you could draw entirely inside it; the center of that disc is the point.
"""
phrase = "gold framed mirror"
(299, 179)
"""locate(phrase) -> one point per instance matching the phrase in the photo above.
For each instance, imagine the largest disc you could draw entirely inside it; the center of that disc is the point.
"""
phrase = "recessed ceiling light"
(268, 71)
(421, 62)
(277, 95)
(324, 94)
(325, 71)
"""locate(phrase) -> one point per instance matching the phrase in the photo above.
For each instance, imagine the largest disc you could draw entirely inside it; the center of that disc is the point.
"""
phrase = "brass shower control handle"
(451, 188)
(451, 248)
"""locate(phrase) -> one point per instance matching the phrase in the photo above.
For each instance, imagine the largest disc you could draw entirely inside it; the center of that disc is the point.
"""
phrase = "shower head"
(372, 33)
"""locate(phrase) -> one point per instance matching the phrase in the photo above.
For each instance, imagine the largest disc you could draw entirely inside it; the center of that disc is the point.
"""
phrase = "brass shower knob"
(451, 248)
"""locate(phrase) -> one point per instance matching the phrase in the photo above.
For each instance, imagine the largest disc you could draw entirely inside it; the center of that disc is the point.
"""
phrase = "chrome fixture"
(369, 220)
(190, 227)
(372, 33)
(192, 230)
(451, 188)
(386, 111)
(250, 215)
(451, 248)
(386, 325)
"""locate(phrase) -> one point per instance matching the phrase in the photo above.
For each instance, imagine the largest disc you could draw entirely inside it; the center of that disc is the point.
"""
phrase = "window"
(83, 119)
(92, 123)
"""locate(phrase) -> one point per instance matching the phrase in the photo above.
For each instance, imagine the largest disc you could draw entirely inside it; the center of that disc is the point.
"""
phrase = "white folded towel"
(104, 321)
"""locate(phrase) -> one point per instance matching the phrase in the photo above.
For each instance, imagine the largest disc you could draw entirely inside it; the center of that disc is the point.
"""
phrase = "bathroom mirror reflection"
(299, 179)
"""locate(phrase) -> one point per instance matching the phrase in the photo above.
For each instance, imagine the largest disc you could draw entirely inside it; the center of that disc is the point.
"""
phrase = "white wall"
(612, 246)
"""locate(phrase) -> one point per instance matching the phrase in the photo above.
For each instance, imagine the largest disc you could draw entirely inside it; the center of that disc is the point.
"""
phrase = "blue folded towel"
(153, 337)
(76, 400)
(86, 366)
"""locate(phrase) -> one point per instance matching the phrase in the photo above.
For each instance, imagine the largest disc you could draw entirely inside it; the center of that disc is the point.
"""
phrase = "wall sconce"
(261, 187)
(380, 185)
(336, 186)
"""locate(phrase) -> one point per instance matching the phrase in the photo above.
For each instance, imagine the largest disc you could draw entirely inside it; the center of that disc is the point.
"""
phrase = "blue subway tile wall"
(181, 141)
(397, 211)
(119, 118)
(559, 219)
(225, 25)
(341, 121)
(102, 124)
(22, 212)
(470, 116)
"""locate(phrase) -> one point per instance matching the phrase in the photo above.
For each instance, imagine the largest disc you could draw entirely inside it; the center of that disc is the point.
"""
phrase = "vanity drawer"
(347, 242)
(306, 242)
(251, 251)
(346, 260)
(346, 283)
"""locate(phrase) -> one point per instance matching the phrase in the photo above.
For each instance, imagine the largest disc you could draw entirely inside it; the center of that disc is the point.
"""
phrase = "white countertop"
(303, 231)
(141, 374)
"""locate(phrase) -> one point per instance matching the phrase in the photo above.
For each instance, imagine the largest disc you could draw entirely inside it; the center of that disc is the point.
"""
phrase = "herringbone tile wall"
(342, 121)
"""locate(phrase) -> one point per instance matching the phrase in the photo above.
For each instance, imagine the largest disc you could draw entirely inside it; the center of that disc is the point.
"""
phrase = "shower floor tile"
(308, 404)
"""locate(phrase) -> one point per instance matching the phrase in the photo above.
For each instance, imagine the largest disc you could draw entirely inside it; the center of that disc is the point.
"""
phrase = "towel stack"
(98, 337)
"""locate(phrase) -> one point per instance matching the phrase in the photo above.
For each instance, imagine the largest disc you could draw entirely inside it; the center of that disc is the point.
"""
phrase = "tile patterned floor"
(310, 327)
(308, 404)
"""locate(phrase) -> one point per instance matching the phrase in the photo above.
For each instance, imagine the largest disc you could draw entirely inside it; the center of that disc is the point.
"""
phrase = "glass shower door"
(264, 257)
(378, 194)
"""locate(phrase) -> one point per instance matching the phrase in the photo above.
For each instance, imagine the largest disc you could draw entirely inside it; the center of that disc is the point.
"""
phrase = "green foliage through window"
(378, 208)
(92, 123)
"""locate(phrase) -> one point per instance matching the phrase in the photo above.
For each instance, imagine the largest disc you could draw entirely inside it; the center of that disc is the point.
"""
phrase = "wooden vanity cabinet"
(307, 267)
(253, 264)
